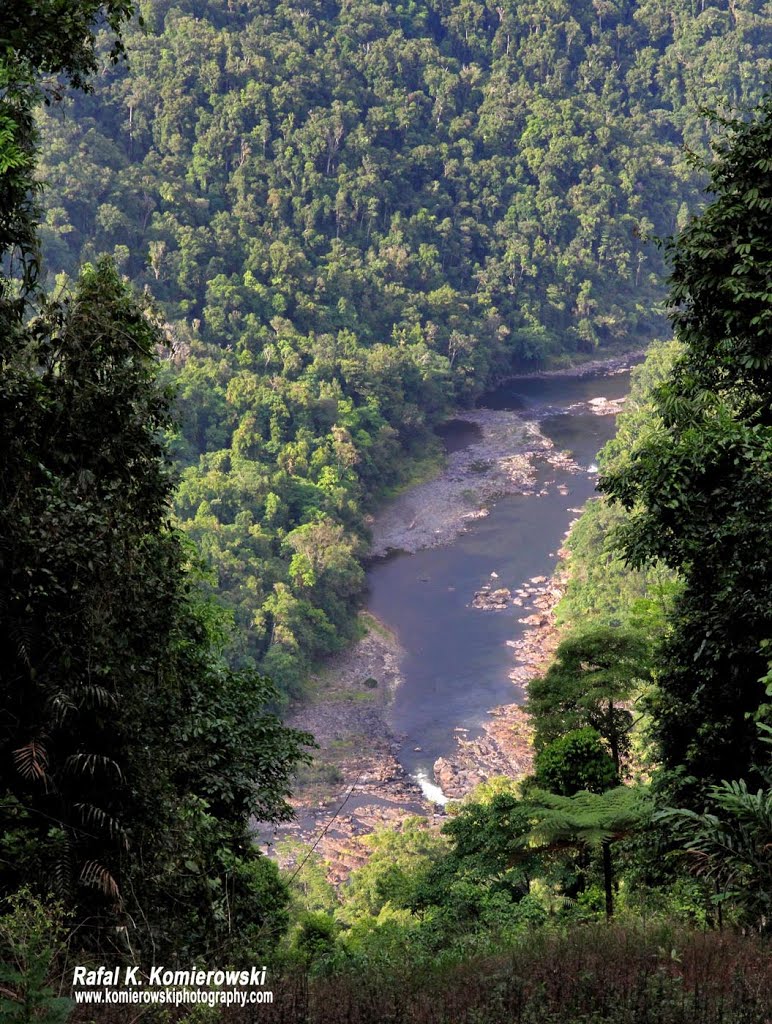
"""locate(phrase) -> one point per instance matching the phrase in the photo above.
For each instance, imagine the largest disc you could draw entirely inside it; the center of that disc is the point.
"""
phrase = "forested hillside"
(354, 216)
(132, 760)
(626, 879)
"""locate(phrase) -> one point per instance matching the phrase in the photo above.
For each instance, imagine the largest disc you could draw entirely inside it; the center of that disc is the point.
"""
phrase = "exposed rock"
(491, 600)
(503, 748)
(358, 750)
(606, 367)
(500, 462)
(606, 406)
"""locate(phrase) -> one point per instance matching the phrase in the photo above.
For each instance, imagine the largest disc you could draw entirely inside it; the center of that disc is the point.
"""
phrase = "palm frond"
(97, 819)
(32, 760)
(96, 876)
(91, 695)
(89, 764)
(21, 635)
(61, 706)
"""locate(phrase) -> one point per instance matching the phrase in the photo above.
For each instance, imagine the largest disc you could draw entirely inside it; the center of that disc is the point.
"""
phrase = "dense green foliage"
(603, 590)
(131, 758)
(571, 843)
(698, 484)
(356, 215)
(576, 761)
(730, 843)
(590, 683)
(31, 935)
(60, 39)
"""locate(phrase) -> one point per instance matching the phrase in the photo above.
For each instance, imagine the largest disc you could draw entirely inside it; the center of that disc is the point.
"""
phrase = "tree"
(590, 683)
(119, 720)
(699, 485)
(578, 760)
(17, 194)
(592, 821)
(61, 39)
(131, 758)
(730, 841)
(50, 40)
(489, 835)
(398, 860)
(728, 844)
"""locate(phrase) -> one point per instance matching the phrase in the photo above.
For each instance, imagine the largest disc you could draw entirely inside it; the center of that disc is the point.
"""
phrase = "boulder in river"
(491, 600)
(535, 620)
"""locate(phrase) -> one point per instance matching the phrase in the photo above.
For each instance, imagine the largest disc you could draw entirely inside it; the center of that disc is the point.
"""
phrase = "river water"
(457, 661)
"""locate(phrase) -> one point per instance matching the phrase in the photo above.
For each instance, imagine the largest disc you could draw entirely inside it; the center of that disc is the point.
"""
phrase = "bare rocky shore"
(357, 783)
(505, 746)
(500, 462)
(607, 367)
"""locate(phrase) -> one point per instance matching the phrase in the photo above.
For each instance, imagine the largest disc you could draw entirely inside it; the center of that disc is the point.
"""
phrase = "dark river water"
(457, 661)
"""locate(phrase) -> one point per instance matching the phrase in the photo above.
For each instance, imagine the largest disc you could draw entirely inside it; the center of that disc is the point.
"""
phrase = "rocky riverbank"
(355, 783)
(368, 788)
(499, 462)
(505, 746)
(607, 367)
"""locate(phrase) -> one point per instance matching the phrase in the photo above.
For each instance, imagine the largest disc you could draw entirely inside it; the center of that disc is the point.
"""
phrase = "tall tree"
(699, 485)
(131, 759)
(119, 720)
(595, 673)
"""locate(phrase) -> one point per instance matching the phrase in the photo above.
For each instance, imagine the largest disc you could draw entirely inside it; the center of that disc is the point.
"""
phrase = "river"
(457, 660)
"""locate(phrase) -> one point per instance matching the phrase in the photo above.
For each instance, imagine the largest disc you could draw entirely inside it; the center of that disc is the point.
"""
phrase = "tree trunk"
(608, 879)
(614, 739)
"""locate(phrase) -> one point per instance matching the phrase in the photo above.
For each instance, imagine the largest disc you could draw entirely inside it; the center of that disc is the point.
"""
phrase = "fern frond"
(31, 760)
(89, 764)
(62, 868)
(96, 876)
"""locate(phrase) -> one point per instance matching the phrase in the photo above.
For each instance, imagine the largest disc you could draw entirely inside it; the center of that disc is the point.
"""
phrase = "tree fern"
(731, 844)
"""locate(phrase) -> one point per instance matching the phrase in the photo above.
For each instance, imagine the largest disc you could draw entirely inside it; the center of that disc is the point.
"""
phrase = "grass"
(370, 624)
(417, 469)
(591, 974)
